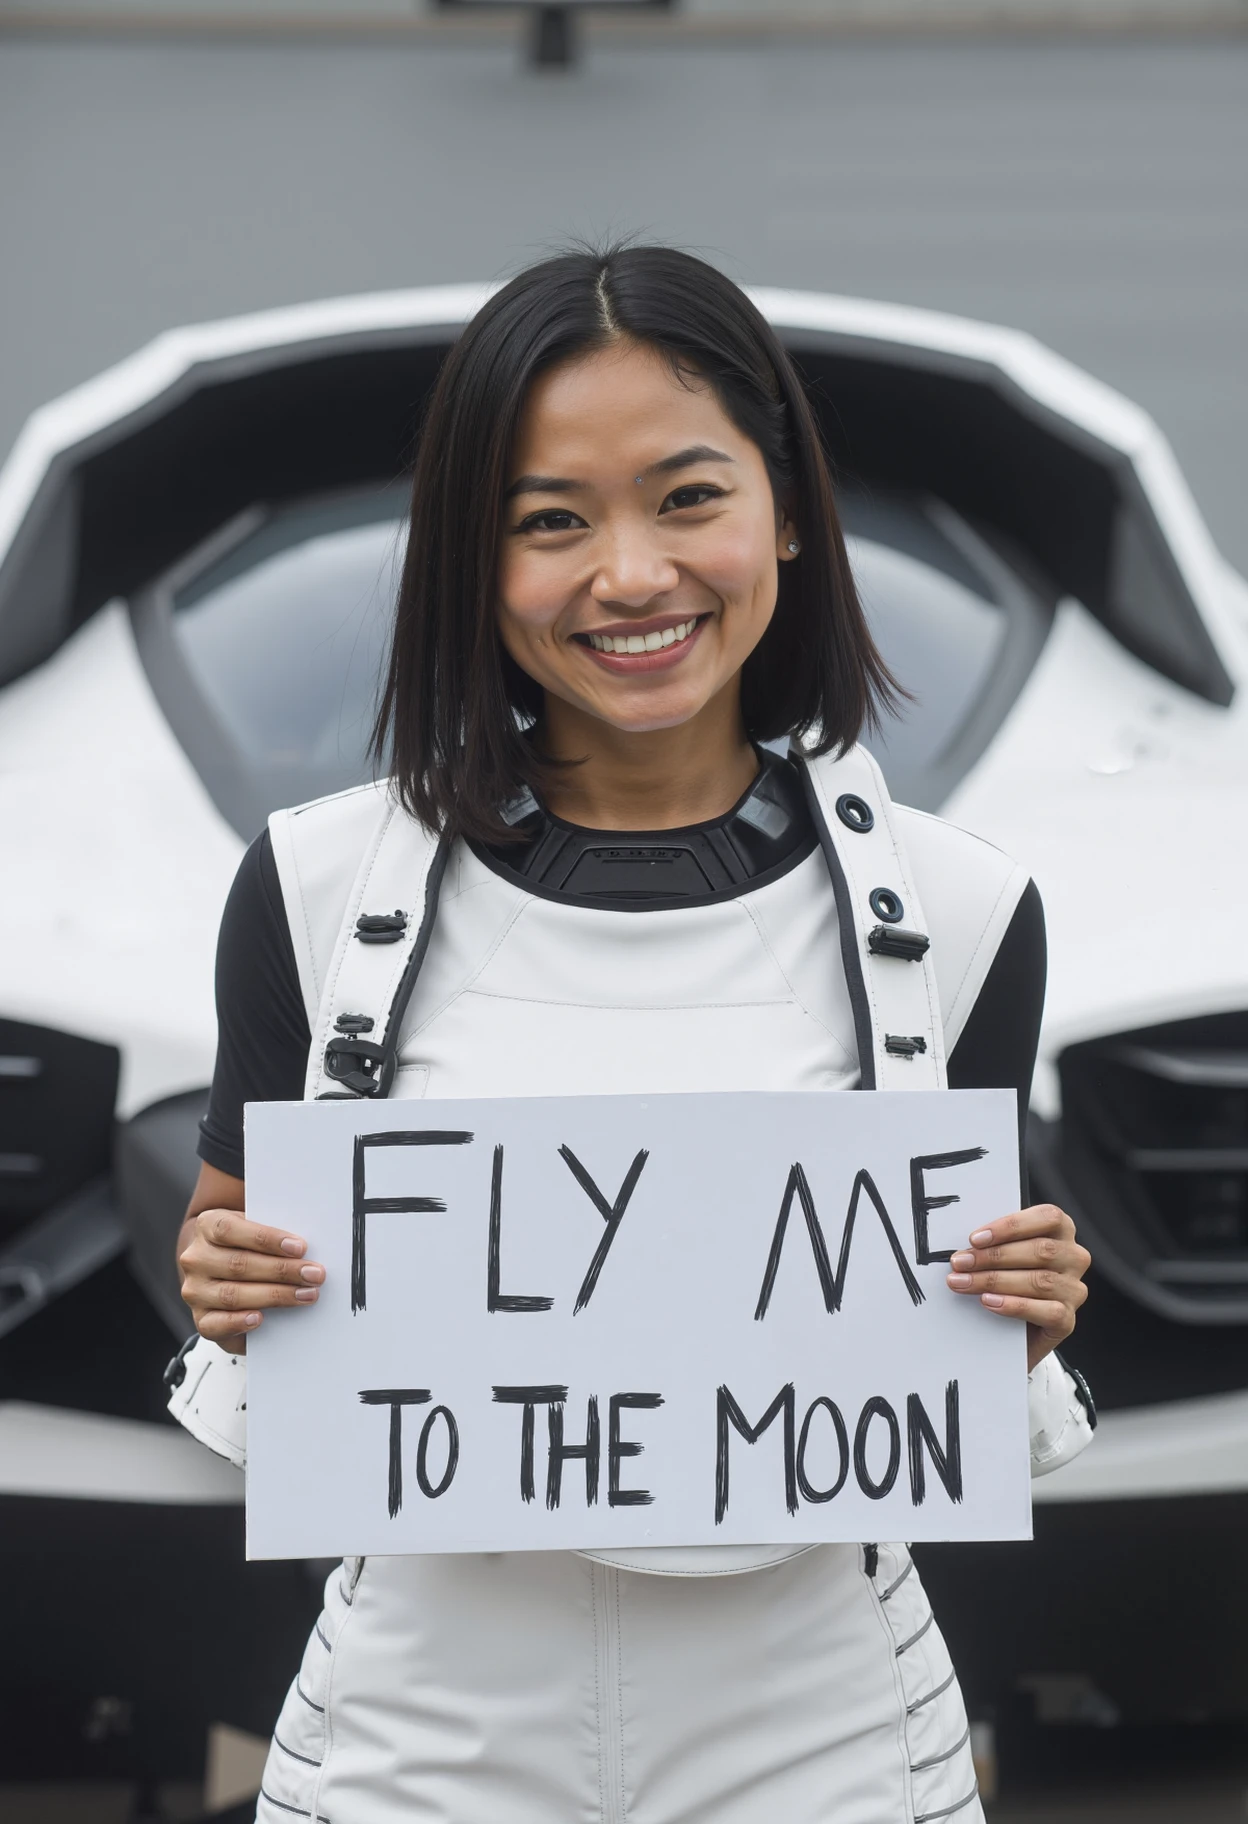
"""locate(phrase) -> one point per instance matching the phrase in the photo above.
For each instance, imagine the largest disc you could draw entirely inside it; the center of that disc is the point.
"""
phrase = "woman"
(624, 574)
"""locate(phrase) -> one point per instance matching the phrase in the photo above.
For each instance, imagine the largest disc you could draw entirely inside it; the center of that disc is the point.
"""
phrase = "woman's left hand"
(1028, 1265)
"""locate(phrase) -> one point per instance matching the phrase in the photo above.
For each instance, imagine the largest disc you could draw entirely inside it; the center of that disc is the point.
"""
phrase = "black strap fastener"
(891, 940)
(1083, 1393)
(897, 1045)
(381, 927)
(360, 1066)
(175, 1372)
(353, 1023)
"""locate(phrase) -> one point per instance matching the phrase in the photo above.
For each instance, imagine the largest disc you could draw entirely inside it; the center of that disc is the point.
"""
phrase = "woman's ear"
(788, 543)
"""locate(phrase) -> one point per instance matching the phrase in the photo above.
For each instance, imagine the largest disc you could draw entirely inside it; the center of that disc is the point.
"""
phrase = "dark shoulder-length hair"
(455, 708)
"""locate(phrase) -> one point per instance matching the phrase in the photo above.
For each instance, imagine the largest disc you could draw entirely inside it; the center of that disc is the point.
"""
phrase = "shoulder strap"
(381, 945)
(885, 948)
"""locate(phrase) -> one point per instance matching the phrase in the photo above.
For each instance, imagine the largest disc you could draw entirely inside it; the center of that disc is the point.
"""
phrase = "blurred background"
(1074, 170)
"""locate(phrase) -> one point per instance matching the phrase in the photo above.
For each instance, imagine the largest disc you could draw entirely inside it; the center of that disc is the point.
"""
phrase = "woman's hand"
(1029, 1266)
(234, 1270)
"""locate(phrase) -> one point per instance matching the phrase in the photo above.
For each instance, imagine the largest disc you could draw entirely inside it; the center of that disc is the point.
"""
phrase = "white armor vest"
(423, 972)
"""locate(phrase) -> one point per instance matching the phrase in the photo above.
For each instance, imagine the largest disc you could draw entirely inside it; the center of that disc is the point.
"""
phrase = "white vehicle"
(197, 557)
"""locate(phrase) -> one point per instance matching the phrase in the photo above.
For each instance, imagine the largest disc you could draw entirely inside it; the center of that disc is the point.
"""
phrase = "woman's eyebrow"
(558, 484)
(542, 484)
(683, 459)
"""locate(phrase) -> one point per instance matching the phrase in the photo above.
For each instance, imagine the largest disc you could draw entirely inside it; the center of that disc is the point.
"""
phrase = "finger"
(1022, 1225)
(231, 1229)
(1038, 1282)
(238, 1295)
(1054, 1321)
(217, 1327)
(201, 1260)
(1052, 1251)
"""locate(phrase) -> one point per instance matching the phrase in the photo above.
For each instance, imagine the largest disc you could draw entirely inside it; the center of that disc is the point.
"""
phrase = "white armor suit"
(712, 1686)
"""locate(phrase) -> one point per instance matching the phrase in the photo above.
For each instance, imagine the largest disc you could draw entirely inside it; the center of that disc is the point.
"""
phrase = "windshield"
(282, 631)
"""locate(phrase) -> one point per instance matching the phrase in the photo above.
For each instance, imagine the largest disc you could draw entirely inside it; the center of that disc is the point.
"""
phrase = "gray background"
(1089, 189)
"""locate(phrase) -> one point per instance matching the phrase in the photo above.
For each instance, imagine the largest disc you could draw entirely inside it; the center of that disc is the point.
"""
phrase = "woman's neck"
(661, 779)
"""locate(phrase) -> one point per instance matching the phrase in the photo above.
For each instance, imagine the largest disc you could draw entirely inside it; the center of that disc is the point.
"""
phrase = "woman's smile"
(656, 644)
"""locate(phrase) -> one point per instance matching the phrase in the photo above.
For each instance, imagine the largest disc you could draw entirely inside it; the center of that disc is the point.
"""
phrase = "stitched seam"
(899, 1689)
(310, 1702)
(305, 1758)
(465, 986)
(329, 1688)
(918, 1635)
(989, 923)
(897, 1582)
(316, 1057)
(619, 1693)
(927, 963)
(593, 1598)
(937, 1759)
(297, 1810)
(303, 907)
(849, 1060)
(684, 1576)
(524, 1000)
(930, 1696)
(950, 1809)
(1055, 1448)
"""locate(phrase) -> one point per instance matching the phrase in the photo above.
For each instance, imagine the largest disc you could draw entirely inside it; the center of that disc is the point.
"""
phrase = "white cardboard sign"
(621, 1321)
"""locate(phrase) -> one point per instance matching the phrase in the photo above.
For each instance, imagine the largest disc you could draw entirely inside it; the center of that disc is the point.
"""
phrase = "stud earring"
(794, 546)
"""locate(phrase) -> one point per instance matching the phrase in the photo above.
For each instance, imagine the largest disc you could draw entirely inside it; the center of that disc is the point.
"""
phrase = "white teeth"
(638, 642)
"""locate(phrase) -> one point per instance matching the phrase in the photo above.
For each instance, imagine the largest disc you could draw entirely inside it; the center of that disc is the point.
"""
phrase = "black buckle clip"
(175, 1372)
(359, 1066)
(381, 927)
(898, 1046)
(890, 940)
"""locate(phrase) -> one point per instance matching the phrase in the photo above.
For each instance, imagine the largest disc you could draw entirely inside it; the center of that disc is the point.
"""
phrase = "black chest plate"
(766, 833)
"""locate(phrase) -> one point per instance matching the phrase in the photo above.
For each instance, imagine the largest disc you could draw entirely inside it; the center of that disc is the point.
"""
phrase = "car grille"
(1153, 1145)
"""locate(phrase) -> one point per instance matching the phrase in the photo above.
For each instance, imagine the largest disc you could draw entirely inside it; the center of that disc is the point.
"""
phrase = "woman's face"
(640, 541)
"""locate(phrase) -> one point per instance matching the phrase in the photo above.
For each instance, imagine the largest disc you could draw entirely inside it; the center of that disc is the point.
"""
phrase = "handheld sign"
(621, 1321)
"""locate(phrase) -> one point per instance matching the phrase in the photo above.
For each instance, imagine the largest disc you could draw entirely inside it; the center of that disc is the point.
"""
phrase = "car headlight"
(1153, 1147)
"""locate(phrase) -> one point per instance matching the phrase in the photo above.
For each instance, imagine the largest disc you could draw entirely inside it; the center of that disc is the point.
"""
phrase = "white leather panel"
(309, 846)
(970, 893)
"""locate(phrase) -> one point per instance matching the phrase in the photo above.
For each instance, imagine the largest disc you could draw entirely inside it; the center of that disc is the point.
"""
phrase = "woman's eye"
(553, 519)
(696, 495)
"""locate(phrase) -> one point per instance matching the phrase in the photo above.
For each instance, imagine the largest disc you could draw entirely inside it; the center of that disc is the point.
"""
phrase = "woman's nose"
(632, 569)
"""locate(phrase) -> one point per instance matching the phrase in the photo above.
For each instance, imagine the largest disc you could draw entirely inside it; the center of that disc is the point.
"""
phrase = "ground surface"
(1088, 190)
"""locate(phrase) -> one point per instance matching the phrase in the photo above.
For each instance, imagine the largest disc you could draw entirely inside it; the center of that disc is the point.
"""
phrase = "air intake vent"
(1154, 1145)
(56, 1118)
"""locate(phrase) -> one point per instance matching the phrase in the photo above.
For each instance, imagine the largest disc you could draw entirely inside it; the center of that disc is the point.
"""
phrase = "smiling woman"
(630, 845)
(618, 463)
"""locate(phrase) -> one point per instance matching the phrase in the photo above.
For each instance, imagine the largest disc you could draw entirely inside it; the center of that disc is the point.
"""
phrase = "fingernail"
(307, 1296)
(981, 1238)
(962, 1262)
(959, 1279)
(313, 1275)
(291, 1244)
(251, 1320)
(994, 1299)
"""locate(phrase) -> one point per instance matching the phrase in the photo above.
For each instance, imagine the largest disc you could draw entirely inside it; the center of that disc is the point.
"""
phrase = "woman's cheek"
(531, 598)
(740, 566)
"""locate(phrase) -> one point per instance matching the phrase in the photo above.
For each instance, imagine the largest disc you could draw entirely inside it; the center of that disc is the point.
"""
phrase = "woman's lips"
(661, 658)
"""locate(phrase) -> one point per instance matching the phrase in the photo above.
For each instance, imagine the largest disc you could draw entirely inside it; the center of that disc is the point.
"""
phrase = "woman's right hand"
(234, 1270)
